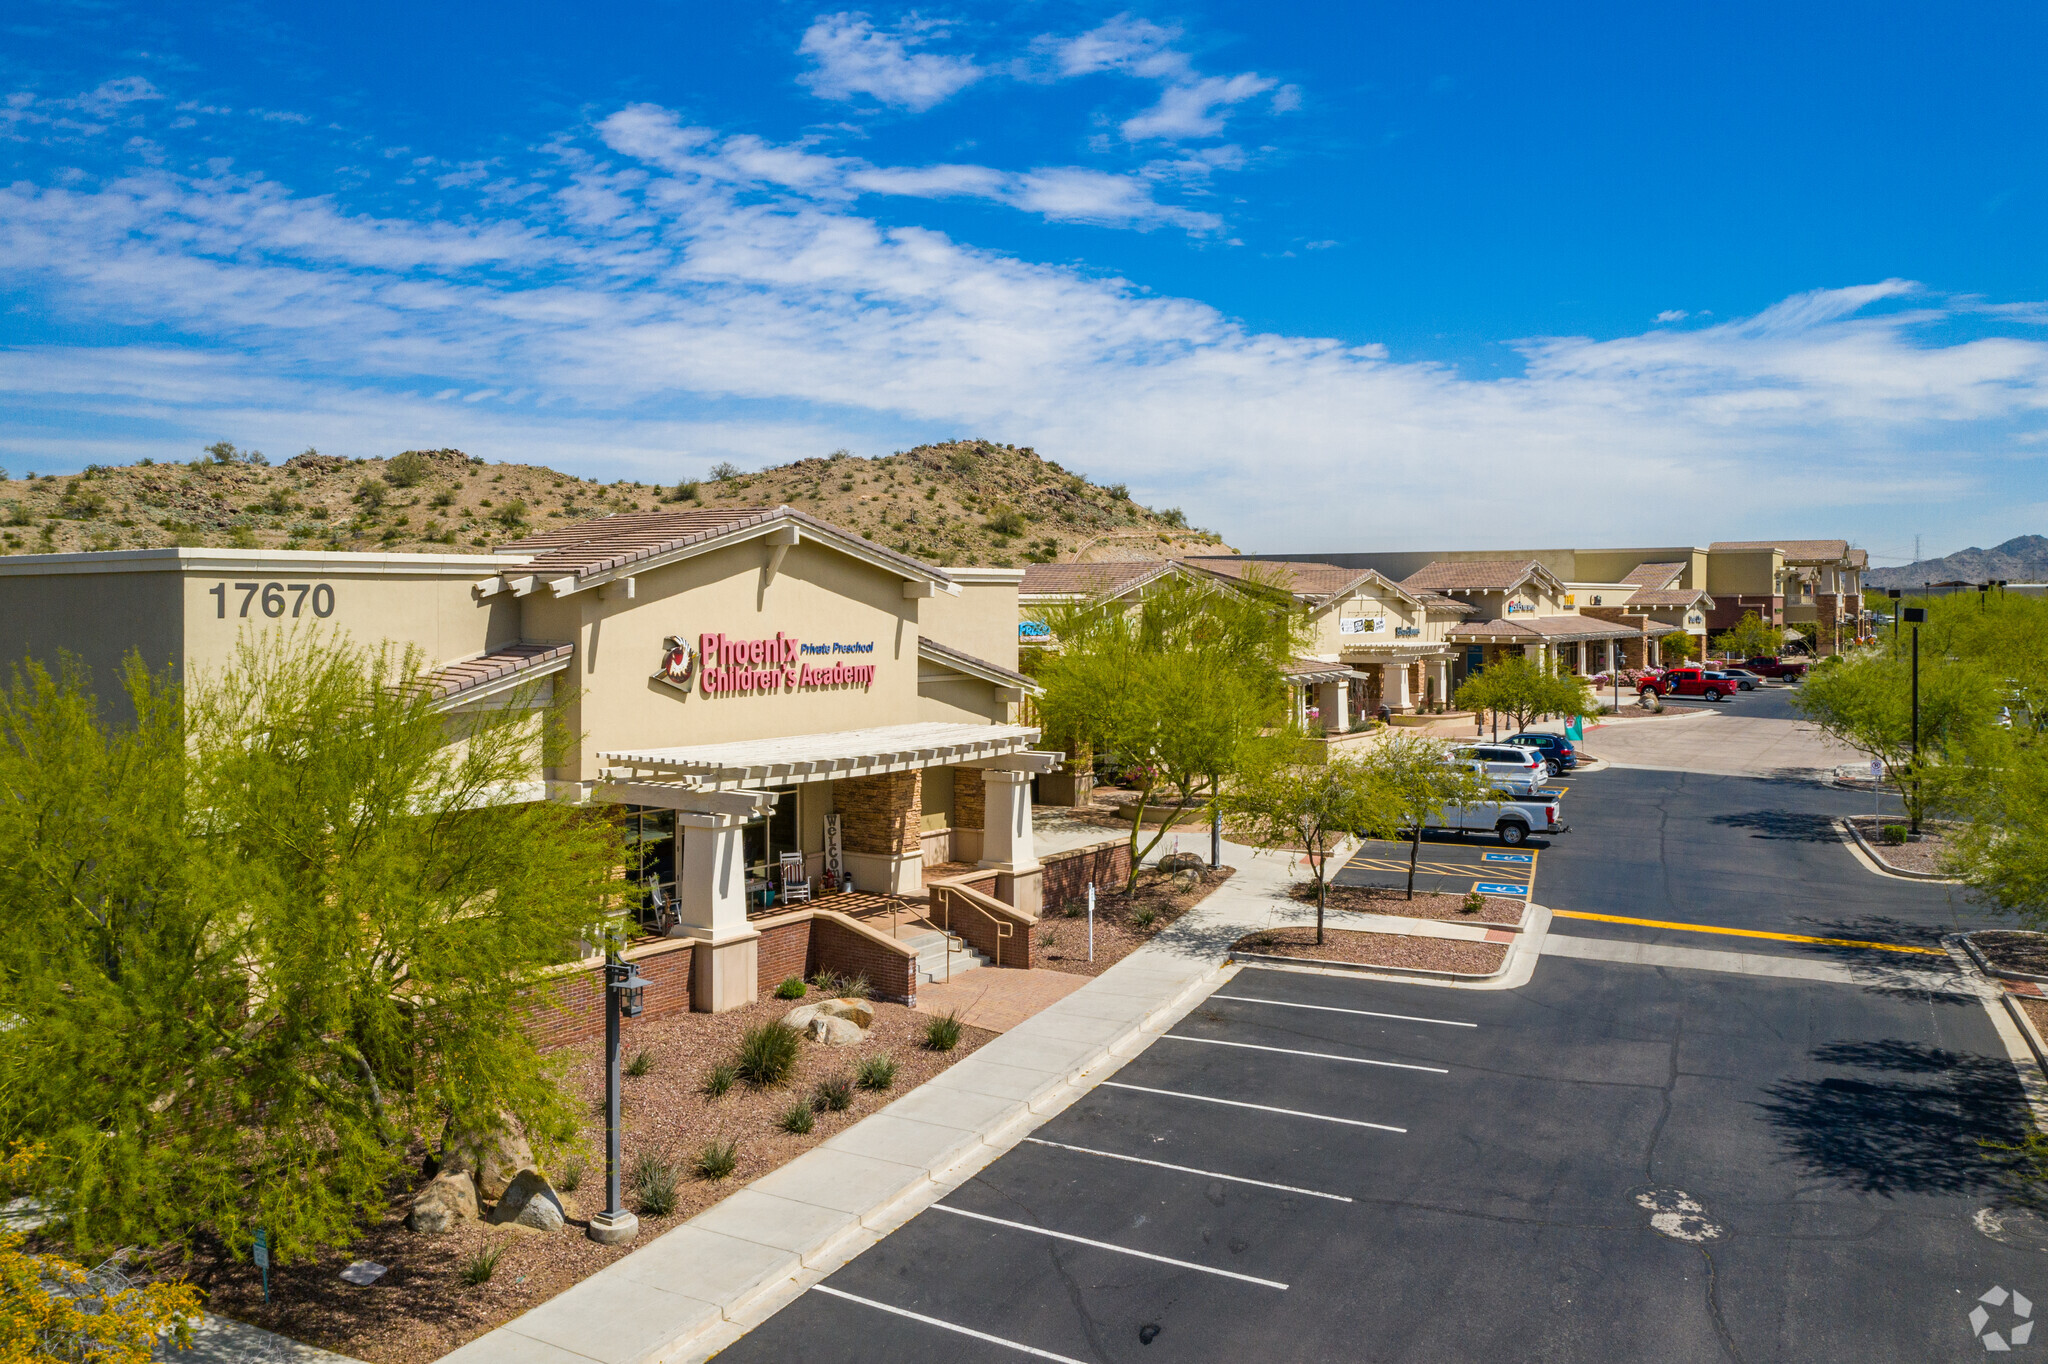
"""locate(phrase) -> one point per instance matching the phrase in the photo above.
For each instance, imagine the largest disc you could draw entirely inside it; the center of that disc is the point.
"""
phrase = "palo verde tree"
(1751, 638)
(1279, 801)
(1865, 700)
(269, 931)
(1414, 781)
(1175, 687)
(1519, 689)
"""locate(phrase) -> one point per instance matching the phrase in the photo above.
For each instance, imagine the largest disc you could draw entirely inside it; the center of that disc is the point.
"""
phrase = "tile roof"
(966, 662)
(457, 679)
(1654, 575)
(1792, 549)
(1533, 628)
(1472, 575)
(1302, 579)
(1673, 596)
(1316, 670)
(1437, 601)
(1090, 580)
(604, 543)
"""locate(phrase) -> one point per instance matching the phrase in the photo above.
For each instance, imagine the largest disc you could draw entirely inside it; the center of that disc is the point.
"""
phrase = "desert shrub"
(835, 986)
(477, 1272)
(1145, 917)
(571, 1176)
(768, 1053)
(1893, 834)
(833, 1095)
(1474, 902)
(641, 1064)
(796, 1119)
(719, 1078)
(875, 1073)
(718, 1159)
(792, 988)
(407, 470)
(942, 1033)
(654, 1184)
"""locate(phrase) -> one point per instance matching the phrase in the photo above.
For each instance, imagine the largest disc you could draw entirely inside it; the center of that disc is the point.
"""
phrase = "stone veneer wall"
(880, 815)
(970, 798)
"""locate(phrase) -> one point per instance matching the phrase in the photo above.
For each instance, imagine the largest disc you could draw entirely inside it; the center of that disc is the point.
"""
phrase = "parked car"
(1512, 820)
(1557, 750)
(1734, 682)
(1506, 765)
(1743, 677)
(1685, 682)
(1783, 669)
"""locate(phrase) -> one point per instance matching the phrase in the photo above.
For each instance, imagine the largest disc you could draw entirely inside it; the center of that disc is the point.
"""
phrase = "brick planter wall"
(880, 814)
(1068, 874)
(951, 906)
(784, 951)
(570, 1007)
(840, 948)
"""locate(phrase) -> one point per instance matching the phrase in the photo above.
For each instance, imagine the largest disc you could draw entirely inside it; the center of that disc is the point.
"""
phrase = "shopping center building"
(746, 684)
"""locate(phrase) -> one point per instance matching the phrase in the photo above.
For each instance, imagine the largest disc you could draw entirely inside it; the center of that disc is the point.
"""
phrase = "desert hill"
(959, 502)
(2022, 559)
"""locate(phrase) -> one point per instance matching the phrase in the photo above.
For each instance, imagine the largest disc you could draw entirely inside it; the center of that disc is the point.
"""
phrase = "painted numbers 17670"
(275, 599)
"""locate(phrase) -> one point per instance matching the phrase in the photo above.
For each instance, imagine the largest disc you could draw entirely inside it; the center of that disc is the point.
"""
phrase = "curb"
(1520, 958)
(2022, 1040)
(1685, 713)
(1885, 868)
(1370, 968)
(2027, 1029)
(1984, 965)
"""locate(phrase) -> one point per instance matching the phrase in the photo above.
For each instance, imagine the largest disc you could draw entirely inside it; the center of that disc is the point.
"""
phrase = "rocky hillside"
(2022, 559)
(961, 502)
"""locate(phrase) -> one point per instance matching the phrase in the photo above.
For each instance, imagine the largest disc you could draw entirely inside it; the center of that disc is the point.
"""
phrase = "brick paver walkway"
(997, 998)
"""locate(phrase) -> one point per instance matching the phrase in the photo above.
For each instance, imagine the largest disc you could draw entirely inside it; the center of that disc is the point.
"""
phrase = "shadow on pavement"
(1794, 825)
(1915, 1120)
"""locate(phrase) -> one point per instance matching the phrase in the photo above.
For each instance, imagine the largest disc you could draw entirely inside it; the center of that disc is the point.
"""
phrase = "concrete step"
(932, 957)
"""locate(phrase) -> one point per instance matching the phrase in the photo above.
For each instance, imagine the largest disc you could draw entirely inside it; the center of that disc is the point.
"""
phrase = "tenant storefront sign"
(781, 663)
(1361, 625)
(1519, 608)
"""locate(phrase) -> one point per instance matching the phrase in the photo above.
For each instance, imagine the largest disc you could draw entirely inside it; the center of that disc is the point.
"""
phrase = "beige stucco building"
(745, 684)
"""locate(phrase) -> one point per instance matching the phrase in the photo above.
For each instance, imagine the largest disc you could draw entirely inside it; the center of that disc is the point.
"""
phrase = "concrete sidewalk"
(692, 1291)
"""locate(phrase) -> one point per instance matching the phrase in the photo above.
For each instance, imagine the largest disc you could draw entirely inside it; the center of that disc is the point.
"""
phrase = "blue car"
(1556, 749)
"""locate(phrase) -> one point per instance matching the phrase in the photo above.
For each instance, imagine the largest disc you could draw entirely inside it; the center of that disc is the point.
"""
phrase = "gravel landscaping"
(2037, 1012)
(1924, 855)
(1123, 923)
(2010, 949)
(1387, 900)
(422, 1307)
(1377, 949)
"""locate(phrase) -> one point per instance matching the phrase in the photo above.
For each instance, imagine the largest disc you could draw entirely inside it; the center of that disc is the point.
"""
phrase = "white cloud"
(696, 282)
(851, 57)
(1196, 109)
(1673, 315)
(1190, 105)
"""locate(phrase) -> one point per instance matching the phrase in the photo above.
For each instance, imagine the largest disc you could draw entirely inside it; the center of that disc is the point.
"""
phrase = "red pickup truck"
(1780, 668)
(1685, 682)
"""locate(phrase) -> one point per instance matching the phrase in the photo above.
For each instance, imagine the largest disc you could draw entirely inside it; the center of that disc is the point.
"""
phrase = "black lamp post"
(622, 999)
(1983, 591)
(1918, 616)
(1893, 593)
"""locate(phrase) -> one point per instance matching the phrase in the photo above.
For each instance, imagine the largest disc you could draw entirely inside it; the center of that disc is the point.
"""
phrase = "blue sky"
(1330, 277)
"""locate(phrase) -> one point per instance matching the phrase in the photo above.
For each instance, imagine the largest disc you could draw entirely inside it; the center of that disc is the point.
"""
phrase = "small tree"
(1521, 689)
(1175, 689)
(1282, 803)
(1865, 701)
(268, 932)
(1677, 647)
(1414, 780)
(1751, 638)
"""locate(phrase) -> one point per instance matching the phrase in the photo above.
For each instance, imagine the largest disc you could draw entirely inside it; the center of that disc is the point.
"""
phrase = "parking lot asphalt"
(1445, 865)
(1324, 1168)
(1735, 852)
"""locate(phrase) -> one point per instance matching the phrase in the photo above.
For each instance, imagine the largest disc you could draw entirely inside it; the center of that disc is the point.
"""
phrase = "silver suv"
(1507, 766)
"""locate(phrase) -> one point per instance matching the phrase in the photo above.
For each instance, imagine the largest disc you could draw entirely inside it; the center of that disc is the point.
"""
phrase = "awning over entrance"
(824, 757)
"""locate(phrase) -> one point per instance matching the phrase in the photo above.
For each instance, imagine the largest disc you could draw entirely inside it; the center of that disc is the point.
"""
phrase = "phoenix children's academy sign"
(781, 663)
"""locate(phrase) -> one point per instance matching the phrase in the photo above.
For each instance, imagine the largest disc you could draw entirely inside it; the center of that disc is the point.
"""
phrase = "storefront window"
(764, 840)
(650, 839)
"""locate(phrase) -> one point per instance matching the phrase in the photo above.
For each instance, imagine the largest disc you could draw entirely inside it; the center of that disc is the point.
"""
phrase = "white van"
(1508, 766)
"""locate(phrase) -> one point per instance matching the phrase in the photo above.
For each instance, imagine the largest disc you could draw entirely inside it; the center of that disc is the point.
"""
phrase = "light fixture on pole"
(1893, 593)
(623, 998)
(1916, 616)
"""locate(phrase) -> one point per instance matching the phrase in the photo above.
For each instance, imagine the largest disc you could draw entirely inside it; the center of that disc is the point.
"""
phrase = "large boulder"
(530, 1201)
(490, 1156)
(800, 1017)
(835, 1032)
(858, 1012)
(1183, 861)
(448, 1199)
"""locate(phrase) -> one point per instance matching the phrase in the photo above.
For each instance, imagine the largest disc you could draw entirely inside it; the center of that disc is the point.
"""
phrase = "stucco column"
(1443, 681)
(1334, 700)
(711, 906)
(1007, 842)
(1394, 686)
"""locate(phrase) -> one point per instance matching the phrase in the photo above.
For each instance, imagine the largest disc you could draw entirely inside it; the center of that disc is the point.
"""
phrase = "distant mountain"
(961, 502)
(2022, 559)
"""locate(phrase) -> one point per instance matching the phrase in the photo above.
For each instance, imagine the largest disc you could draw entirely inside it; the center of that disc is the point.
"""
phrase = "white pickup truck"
(1513, 820)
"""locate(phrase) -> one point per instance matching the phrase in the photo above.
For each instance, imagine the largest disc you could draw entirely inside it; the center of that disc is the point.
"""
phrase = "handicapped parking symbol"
(1499, 888)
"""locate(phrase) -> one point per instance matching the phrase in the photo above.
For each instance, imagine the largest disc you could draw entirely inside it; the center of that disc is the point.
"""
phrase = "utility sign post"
(260, 1252)
(1876, 789)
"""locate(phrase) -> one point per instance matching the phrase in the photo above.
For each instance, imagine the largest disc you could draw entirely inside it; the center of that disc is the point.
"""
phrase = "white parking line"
(1188, 1170)
(1332, 1009)
(1263, 1108)
(1289, 1051)
(1104, 1245)
(945, 1325)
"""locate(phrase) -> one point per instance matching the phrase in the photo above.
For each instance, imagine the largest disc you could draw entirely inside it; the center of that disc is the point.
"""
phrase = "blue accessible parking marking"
(1507, 857)
(1499, 888)
(1552, 790)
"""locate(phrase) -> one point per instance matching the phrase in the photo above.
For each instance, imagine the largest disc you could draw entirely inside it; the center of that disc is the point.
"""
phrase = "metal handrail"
(1004, 929)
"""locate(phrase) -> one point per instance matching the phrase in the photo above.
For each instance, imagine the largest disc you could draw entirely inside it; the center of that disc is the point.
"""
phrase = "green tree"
(1865, 700)
(1520, 689)
(1279, 802)
(1751, 638)
(1415, 781)
(1676, 648)
(269, 930)
(1174, 688)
